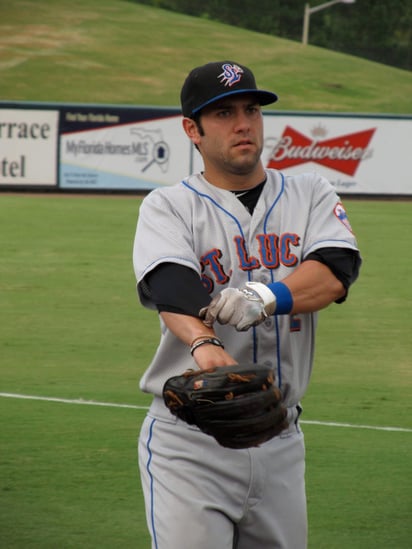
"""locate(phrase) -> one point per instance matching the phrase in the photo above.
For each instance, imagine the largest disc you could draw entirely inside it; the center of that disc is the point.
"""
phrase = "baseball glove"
(238, 405)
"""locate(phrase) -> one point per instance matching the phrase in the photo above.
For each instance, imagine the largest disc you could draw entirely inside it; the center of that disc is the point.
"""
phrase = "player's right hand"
(239, 308)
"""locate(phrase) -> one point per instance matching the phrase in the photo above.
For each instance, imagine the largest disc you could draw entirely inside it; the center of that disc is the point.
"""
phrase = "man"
(237, 259)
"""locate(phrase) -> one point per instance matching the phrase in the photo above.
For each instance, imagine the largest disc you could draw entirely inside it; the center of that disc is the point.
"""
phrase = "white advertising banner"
(141, 154)
(28, 146)
(114, 147)
(357, 154)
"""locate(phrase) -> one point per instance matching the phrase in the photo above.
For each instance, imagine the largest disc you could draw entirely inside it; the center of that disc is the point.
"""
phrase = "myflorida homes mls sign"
(125, 148)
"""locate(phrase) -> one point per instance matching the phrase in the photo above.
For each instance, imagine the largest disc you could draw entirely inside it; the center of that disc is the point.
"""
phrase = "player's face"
(232, 139)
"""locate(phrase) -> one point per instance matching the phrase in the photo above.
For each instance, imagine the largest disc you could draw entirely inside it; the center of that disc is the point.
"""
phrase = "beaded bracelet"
(212, 340)
(202, 336)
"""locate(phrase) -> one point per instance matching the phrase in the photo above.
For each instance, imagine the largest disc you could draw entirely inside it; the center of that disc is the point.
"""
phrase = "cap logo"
(231, 74)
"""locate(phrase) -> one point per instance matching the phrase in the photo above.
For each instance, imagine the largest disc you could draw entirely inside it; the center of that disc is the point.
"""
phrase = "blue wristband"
(284, 299)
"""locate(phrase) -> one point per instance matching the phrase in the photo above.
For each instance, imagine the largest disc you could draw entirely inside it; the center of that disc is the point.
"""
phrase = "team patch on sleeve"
(341, 214)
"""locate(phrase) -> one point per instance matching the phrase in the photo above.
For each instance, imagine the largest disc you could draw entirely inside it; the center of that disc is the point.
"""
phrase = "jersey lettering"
(211, 259)
(246, 263)
(295, 323)
(269, 250)
(274, 251)
(288, 239)
(207, 283)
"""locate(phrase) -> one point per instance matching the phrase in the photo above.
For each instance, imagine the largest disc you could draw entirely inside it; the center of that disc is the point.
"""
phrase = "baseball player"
(237, 260)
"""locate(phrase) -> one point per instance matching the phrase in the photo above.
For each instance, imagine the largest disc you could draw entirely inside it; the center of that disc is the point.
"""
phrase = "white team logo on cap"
(231, 74)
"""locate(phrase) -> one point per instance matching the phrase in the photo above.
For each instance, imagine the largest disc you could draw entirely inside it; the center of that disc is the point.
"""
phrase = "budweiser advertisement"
(358, 154)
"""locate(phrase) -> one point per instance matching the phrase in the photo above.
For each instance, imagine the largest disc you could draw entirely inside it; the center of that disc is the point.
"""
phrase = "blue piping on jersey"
(315, 244)
(165, 259)
(274, 204)
(208, 197)
(243, 236)
(279, 369)
(151, 483)
(204, 195)
(265, 224)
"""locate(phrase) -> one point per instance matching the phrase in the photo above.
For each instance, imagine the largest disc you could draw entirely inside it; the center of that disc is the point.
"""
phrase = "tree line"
(378, 30)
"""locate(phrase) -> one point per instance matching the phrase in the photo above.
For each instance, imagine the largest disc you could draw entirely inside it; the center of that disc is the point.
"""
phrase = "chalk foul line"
(136, 407)
(74, 401)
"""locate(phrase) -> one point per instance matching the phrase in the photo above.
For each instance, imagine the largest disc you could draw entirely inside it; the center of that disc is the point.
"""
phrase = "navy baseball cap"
(209, 83)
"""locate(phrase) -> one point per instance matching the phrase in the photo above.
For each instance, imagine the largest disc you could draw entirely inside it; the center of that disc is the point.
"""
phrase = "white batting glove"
(241, 308)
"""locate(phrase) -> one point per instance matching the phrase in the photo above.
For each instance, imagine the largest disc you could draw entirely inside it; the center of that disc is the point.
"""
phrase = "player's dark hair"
(196, 120)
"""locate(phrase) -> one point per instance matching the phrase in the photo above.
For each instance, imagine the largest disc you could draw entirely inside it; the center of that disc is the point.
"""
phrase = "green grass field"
(72, 329)
(114, 51)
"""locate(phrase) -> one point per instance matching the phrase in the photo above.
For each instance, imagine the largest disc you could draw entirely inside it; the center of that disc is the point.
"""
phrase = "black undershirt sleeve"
(176, 289)
(343, 262)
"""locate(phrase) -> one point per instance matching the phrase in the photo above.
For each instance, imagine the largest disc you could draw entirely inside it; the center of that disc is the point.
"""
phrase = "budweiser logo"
(342, 153)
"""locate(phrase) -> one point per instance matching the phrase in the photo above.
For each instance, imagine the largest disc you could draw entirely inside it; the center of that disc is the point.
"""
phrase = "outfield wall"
(85, 147)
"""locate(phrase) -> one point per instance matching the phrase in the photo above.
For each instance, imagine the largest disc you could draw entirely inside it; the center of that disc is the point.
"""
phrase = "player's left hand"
(241, 308)
(239, 405)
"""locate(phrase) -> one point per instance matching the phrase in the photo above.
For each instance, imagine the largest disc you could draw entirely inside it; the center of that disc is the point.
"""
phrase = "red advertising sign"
(343, 153)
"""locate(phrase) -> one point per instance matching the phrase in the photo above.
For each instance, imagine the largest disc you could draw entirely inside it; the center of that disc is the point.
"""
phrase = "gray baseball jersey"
(208, 230)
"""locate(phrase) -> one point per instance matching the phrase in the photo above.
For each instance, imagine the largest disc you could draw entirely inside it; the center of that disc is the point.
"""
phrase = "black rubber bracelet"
(212, 340)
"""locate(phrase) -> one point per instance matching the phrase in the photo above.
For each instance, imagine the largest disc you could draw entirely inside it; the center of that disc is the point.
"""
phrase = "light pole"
(308, 12)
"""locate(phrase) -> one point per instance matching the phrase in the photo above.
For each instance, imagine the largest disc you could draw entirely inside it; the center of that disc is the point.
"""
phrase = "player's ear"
(192, 130)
